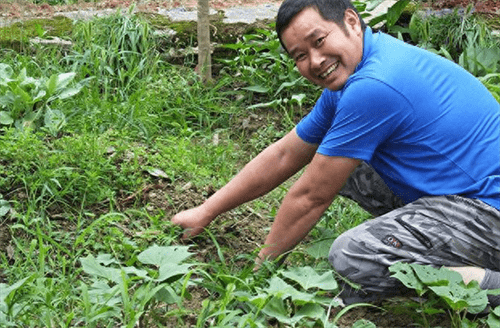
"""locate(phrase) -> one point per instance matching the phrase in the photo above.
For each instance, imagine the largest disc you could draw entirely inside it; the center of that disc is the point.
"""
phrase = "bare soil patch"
(240, 231)
(486, 6)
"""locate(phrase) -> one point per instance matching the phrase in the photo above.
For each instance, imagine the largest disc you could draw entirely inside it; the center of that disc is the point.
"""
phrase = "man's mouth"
(329, 71)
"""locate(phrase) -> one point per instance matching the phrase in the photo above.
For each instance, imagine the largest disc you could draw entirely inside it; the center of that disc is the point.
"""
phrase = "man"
(410, 136)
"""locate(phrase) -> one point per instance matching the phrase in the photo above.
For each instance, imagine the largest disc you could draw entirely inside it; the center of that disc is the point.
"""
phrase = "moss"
(17, 35)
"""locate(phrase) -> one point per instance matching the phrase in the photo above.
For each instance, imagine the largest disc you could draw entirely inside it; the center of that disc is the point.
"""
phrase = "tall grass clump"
(118, 51)
(460, 36)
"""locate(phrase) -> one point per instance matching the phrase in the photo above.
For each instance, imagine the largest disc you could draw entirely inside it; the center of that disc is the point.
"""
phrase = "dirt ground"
(24, 9)
(250, 231)
(487, 6)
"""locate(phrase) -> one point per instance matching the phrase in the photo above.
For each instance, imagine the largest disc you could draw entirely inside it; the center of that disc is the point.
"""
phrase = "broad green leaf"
(106, 259)
(28, 82)
(4, 207)
(283, 290)
(101, 293)
(460, 298)
(31, 117)
(92, 267)
(26, 97)
(395, 11)
(168, 295)
(22, 76)
(5, 73)
(494, 317)
(309, 310)
(276, 309)
(51, 84)
(156, 255)
(169, 270)
(307, 277)
(64, 79)
(7, 100)
(5, 118)
(258, 300)
(404, 273)
(436, 277)
(320, 249)
(466, 323)
(69, 92)
(54, 119)
(137, 272)
(299, 98)
(39, 97)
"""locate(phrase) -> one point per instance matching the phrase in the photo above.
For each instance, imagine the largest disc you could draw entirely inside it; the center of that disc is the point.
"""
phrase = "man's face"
(324, 52)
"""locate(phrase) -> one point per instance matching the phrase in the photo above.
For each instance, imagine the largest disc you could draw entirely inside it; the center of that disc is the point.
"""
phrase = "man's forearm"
(265, 172)
(295, 218)
(306, 201)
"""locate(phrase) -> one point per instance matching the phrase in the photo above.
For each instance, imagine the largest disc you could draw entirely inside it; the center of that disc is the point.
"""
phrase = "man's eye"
(319, 41)
(299, 57)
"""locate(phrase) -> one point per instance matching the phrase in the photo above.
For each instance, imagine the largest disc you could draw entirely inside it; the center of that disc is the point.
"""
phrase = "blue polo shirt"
(425, 124)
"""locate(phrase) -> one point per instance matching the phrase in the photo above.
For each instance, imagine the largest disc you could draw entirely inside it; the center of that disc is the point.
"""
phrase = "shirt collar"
(368, 41)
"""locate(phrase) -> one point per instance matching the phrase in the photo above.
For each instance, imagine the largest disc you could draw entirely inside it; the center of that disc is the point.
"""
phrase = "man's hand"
(193, 221)
(268, 170)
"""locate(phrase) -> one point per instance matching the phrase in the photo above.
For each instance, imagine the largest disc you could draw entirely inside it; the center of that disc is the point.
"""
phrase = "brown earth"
(24, 9)
(487, 6)
(244, 234)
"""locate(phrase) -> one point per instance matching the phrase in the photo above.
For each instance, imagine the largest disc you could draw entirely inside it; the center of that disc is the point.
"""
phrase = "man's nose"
(317, 58)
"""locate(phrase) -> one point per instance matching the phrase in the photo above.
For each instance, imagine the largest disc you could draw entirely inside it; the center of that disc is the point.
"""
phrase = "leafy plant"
(492, 82)
(125, 293)
(28, 100)
(458, 35)
(448, 286)
(4, 206)
(268, 73)
(391, 18)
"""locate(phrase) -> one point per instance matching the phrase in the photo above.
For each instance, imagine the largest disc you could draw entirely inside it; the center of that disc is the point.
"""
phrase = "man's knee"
(359, 263)
(341, 255)
(353, 257)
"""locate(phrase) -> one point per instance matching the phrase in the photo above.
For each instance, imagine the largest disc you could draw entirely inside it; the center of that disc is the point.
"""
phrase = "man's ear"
(351, 21)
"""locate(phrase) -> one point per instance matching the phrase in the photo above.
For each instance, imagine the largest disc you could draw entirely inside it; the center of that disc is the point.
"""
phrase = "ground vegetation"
(102, 143)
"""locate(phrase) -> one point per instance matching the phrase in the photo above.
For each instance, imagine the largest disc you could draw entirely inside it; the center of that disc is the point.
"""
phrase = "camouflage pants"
(437, 231)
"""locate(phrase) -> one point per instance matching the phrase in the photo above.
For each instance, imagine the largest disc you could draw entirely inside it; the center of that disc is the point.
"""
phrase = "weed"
(117, 50)
(261, 52)
(29, 102)
(448, 286)
(82, 228)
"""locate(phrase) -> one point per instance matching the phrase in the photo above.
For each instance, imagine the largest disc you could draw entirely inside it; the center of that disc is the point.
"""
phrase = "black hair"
(332, 10)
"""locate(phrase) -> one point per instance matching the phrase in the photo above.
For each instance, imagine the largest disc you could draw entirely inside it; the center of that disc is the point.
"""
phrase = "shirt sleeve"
(314, 126)
(367, 115)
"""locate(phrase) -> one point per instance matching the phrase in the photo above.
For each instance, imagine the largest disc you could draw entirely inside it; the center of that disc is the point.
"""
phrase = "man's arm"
(265, 172)
(306, 201)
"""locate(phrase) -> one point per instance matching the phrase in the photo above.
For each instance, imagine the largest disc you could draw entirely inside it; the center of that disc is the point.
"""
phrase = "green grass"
(84, 204)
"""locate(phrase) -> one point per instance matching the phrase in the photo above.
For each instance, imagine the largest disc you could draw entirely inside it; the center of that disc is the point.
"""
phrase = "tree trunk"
(204, 57)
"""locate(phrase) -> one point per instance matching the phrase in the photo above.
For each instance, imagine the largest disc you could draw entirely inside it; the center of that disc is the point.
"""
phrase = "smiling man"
(410, 136)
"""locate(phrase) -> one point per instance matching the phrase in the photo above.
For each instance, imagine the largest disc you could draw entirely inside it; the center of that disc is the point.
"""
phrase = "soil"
(488, 6)
(239, 236)
(21, 9)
